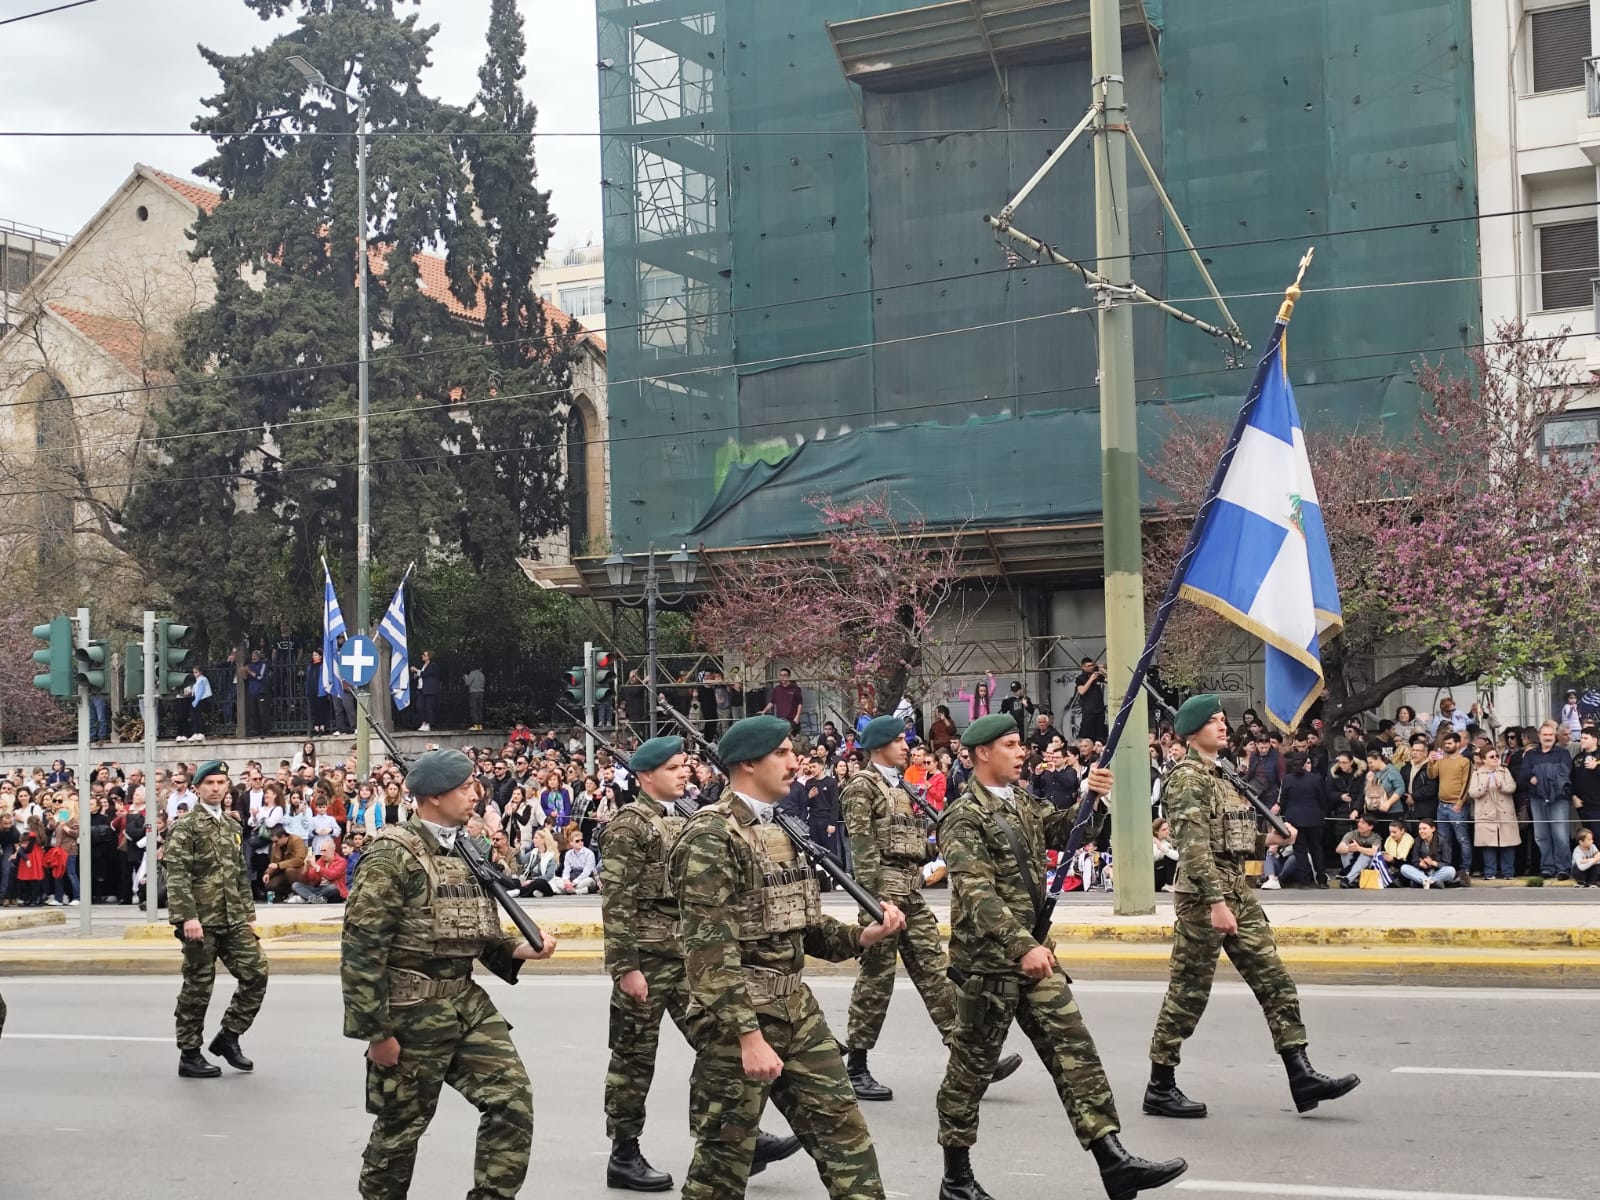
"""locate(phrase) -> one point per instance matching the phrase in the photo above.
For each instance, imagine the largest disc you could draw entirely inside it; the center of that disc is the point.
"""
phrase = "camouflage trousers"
(1254, 954)
(985, 1008)
(635, 1037)
(812, 1093)
(240, 951)
(926, 963)
(465, 1042)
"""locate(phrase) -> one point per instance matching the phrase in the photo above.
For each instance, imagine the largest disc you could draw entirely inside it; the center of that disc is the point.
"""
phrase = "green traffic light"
(133, 672)
(90, 666)
(172, 656)
(57, 656)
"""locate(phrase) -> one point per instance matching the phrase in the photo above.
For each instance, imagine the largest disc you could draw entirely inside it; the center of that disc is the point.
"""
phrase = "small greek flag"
(392, 629)
(1262, 560)
(332, 631)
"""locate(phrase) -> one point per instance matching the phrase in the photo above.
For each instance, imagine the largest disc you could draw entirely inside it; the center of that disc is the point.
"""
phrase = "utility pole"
(588, 706)
(85, 823)
(152, 715)
(1119, 465)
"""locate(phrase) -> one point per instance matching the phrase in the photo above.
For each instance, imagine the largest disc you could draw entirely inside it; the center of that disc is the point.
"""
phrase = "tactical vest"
(657, 917)
(1231, 822)
(457, 919)
(786, 897)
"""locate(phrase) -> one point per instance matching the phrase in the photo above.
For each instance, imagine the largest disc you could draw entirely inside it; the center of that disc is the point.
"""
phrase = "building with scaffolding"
(803, 296)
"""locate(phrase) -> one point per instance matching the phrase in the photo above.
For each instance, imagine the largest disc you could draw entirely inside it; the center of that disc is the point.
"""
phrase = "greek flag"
(332, 631)
(1262, 559)
(392, 629)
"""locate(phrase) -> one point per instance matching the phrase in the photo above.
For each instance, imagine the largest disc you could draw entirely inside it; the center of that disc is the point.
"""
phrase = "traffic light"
(605, 676)
(574, 684)
(172, 657)
(57, 656)
(133, 672)
(90, 666)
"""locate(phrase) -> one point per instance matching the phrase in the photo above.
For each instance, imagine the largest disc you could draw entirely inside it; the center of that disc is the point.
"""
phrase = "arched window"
(577, 482)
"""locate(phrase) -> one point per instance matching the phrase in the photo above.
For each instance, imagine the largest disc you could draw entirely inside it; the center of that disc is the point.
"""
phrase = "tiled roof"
(434, 277)
(123, 340)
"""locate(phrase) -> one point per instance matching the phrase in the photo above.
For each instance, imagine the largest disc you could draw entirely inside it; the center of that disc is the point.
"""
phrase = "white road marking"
(81, 1037)
(1252, 1188)
(1496, 1073)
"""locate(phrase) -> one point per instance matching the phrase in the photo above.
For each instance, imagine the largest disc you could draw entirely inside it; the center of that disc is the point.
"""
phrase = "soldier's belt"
(413, 987)
(994, 985)
(655, 926)
(766, 984)
(898, 879)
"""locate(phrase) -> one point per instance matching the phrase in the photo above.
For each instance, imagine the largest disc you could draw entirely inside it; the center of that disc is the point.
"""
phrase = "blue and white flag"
(332, 631)
(392, 629)
(1262, 560)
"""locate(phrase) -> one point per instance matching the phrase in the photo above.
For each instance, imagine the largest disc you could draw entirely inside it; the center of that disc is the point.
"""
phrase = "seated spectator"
(323, 879)
(1396, 851)
(1430, 864)
(1357, 850)
(1586, 860)
(1166, 855)
(543, 865)
(285, 865)
(578, 867)
(1280, 857)
(1493, 791)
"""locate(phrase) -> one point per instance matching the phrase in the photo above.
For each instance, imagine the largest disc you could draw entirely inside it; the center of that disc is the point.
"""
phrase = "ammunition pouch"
(905, 837)
(766, 985)
(413, 987)
(1238, 830)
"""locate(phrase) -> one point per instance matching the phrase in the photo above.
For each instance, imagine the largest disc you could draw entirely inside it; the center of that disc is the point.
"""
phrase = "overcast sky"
(132, 65)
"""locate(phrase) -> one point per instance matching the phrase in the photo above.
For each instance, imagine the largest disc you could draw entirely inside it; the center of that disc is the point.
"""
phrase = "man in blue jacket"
(1547, 774)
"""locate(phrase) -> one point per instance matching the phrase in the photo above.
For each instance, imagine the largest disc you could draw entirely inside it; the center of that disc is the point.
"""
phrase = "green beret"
(655, 753)
(752, 738)
(987, 729)
(1196, 711)
(438, 772)
(880, 731)
(215, 767)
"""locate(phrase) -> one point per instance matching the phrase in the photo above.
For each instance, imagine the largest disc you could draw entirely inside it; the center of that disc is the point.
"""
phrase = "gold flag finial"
(1292, 293)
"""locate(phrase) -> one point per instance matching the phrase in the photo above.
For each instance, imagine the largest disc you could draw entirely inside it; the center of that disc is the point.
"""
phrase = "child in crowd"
(1586, 861)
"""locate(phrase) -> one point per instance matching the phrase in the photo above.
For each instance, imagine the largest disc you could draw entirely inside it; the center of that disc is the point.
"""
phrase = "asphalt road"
(93, 1106)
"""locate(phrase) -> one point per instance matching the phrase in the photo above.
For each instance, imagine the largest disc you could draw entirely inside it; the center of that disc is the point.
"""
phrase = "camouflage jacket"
(1195, 797)
(870, 803)
(206, 879)
(711, 870)
(632, 880)
(387, 881)
(991, 912)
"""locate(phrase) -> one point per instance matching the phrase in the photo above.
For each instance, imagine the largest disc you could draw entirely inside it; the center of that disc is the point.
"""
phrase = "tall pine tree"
(256, 477)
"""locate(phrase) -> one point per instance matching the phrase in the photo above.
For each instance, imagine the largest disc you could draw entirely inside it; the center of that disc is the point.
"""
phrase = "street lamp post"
(620, 572)
(363, 614)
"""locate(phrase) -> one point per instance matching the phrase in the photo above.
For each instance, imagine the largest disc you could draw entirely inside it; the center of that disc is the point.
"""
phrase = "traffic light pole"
(85, 824)
(588, 705)
(152, 715)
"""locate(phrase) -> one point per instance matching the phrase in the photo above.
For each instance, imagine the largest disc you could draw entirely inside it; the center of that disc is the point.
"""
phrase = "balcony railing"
(1591, 83)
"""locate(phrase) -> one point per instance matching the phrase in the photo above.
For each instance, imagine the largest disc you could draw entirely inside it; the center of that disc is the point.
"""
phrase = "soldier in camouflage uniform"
(415, 920)
(211, 910)
(1213, 909)
(889, 841)
(1007, 974)
(645, 958)
(751, 912)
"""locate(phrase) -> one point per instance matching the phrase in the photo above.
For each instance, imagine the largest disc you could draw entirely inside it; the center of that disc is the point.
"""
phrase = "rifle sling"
(1020, 852)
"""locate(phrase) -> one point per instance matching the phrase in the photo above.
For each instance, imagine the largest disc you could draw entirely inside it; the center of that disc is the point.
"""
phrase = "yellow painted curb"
(331, 926)
(33, 918)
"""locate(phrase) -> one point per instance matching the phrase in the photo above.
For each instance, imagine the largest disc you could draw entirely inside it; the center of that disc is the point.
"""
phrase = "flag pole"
(1158, 624)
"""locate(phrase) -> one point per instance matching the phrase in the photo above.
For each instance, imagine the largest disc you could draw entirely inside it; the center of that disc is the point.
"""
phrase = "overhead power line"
(45, 12)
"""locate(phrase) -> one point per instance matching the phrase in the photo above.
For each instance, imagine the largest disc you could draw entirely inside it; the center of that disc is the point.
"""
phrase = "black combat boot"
(771, 1148)
(194, 1065)
(958, 1182)
(1310, 1087)
(226, 1047)
(1006, 1068)
(628, 1169)
(1125, 1175)
(866, 1087)
(1164, 1098)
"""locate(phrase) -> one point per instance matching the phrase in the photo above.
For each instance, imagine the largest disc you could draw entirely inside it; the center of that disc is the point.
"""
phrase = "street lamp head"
(618, 570)
(683, 567)
(312, 76)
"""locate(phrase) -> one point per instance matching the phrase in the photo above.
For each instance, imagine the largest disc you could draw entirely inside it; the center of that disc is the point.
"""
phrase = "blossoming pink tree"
(853, 609)
(1462, 551)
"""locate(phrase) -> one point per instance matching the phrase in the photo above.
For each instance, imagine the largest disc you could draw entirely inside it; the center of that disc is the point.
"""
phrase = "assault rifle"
(797, 833)
(682, 805)
(489, 876)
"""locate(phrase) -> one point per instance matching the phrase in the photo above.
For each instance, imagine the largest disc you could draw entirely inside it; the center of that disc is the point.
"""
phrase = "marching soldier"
(1213, 908)
(211, 910)
(645, 958)
(994, 837)
(889, 841)
(415, 920)
(751, 912)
